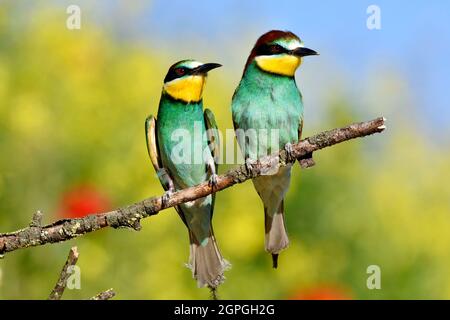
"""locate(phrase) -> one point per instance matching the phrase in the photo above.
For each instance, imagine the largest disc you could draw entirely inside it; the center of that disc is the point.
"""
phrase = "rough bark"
(106, 295)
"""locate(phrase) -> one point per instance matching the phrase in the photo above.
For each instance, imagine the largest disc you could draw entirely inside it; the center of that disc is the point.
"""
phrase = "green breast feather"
(175, 131)
(267, 101)
(180, 134)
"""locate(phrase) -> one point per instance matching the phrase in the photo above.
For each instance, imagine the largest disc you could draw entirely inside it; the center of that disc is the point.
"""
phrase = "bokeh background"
(72, 111)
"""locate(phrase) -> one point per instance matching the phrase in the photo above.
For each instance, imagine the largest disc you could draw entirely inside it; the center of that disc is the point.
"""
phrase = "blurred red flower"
(82, 200)
(321, 293)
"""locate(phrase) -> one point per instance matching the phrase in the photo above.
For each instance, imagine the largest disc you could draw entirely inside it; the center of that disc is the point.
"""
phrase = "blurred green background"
(72, 111)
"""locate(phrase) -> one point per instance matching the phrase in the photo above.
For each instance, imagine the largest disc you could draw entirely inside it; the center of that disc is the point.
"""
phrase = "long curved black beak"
(204, 68)
(303, 52)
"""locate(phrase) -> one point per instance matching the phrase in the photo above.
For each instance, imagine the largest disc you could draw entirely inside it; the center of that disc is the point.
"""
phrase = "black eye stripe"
(175, 73)
(270, 49)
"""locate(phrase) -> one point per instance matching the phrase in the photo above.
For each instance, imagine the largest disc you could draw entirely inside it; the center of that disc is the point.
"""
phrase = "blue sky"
(414, 39)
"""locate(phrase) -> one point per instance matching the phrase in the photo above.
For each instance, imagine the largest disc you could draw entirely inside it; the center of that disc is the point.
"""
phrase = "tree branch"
(106, 295)
(60, 286)
(130, 216)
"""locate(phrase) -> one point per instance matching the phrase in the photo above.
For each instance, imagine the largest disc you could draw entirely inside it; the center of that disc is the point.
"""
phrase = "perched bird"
(267, 98)
(174, 146)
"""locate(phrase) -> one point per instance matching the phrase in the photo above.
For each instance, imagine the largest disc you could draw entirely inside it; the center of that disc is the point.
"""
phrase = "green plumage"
(179, 147)
(266, 101)
(175, 130)
(175, 118)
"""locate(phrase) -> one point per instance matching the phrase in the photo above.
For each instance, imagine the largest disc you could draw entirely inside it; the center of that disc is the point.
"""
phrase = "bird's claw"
(289, 152)
(213, 180)
(249, 163)
(166, 197)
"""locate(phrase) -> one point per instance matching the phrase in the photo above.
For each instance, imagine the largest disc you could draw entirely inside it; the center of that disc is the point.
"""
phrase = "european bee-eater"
(181, 112)
(267, 98)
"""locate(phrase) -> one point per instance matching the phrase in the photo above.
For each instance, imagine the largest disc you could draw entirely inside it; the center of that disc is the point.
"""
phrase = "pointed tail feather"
(274, 260)
(206, 262)
(276, 236)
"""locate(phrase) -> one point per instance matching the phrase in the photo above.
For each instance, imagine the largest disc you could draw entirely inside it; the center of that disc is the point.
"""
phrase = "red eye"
(180, 71)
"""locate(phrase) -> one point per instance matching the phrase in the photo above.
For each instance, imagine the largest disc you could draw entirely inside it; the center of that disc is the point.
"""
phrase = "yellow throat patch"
(187, 89)
(285, 64)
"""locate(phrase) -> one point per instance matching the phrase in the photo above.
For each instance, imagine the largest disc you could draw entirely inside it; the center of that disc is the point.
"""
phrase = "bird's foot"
(213, 181)
(249, 166)
(166, 197)
(289, 152)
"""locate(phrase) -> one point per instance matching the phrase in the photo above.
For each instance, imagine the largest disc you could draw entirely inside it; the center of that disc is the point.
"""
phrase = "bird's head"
(185, 80)
(279, 52)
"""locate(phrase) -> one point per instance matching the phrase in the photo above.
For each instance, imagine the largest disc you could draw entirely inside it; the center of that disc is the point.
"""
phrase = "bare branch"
(130, 216)
(65, 274)
(105, 295)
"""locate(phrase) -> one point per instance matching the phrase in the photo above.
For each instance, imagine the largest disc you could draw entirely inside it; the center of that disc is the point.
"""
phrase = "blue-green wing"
(212, 133)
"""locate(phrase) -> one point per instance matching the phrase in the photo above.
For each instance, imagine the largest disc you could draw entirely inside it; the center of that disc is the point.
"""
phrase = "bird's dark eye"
(276, 48)
(180, 71)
